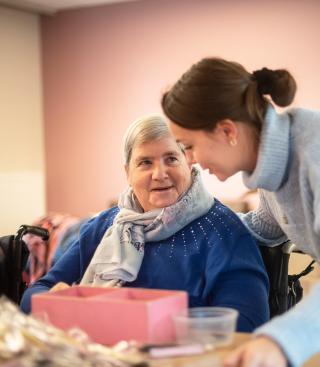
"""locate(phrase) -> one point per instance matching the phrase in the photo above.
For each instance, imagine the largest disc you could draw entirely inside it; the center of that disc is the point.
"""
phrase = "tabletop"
(214, 358)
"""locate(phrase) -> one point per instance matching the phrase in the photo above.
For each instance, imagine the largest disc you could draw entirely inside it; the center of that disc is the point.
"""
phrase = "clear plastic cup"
(209, 326)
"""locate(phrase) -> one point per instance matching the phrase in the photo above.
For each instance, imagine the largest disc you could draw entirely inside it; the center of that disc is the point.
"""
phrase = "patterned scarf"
(119, 255)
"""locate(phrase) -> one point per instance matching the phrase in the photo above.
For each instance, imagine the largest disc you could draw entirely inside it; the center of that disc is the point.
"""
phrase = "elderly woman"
(167, 232)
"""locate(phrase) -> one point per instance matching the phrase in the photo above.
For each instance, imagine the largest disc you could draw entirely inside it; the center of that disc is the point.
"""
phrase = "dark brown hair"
(215, 89)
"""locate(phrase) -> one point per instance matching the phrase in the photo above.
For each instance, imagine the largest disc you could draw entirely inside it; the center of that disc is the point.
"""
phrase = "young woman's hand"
(59, 286)
(259, 352)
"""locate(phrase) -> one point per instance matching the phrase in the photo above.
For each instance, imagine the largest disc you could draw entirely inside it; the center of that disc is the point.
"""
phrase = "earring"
(233, 142)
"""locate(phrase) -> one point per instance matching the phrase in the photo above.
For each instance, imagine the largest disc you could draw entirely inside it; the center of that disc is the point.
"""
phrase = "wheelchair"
(285, 289)
(13, 258)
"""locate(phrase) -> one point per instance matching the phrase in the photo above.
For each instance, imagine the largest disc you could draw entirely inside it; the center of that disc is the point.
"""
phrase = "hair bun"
(279, 84)
(265, 79)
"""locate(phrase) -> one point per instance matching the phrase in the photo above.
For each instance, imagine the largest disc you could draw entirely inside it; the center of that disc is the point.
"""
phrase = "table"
(214, 358)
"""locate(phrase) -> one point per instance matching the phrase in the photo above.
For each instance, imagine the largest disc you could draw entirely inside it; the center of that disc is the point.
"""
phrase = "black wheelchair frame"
(285, 289)
(13, 258)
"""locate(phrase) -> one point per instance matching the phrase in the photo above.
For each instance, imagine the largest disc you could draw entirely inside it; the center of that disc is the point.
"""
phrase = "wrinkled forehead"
(157, 147)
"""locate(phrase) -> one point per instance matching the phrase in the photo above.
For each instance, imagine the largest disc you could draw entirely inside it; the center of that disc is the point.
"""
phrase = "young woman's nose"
(190, 157)
(159, 172)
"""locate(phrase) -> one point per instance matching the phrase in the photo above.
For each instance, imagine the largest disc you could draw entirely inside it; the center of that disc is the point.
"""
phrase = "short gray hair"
(144, 130)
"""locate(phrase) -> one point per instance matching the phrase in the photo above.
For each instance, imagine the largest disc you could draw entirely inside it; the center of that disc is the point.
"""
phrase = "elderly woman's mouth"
(161, 189)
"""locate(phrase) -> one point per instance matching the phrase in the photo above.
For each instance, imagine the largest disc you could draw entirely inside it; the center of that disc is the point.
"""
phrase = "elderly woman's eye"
(144, 163)
(172, 159)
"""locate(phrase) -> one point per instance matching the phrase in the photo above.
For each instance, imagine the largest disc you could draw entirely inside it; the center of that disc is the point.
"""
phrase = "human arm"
(66, 270)
(294, 335)
(237, 279)
(262, 224)
(72, 265)
(292, 330)
(313, 182)
(260, 352)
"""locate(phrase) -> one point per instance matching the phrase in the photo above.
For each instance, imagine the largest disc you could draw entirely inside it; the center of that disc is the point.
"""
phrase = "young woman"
(225, 118)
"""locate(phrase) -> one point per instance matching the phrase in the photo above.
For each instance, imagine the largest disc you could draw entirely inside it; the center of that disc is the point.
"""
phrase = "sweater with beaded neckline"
(214, 259)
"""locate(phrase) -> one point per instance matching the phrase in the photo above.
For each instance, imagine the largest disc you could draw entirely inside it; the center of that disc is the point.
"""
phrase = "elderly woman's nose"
(159, 171)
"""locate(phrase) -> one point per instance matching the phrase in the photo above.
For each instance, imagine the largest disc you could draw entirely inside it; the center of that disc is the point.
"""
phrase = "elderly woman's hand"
(259, 352)
(59, 286)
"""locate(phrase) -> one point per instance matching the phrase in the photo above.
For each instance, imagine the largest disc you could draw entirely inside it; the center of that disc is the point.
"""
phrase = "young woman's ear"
(228, 131)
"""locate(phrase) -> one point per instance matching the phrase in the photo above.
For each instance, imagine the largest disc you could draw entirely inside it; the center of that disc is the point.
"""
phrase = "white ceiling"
(52, 6)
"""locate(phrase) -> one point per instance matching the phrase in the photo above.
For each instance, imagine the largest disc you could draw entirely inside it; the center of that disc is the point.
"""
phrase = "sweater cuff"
(297, 332)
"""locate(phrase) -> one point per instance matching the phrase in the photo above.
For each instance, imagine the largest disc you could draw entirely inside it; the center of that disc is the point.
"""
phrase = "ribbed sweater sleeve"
(314, 180)
(262, 224)
(297, 331)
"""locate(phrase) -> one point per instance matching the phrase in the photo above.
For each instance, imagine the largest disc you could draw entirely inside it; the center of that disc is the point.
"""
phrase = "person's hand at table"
(259, 352)
(59, 286)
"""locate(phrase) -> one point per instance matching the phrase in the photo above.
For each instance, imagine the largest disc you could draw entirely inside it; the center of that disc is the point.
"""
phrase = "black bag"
(13, 258)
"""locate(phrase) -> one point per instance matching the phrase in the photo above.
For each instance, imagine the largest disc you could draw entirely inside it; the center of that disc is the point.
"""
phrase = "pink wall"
(107, 65)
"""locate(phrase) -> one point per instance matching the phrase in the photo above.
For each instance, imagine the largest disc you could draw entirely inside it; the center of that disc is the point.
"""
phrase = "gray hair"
(144, 130)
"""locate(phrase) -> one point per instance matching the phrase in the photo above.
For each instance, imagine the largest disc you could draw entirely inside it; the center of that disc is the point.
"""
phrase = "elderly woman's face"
(158, 173)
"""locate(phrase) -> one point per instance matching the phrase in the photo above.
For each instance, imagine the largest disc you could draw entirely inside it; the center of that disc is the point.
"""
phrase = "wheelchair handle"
(37, 231)
(288, 247)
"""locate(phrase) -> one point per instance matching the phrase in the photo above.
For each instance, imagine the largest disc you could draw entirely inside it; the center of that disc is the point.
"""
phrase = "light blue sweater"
(287, 175)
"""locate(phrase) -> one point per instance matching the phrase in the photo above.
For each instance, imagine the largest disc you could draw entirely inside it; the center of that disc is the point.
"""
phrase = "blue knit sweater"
(288, 176)
(214, 259)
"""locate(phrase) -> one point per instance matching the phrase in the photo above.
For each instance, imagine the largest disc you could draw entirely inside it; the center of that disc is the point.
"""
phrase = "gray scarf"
(119, 255)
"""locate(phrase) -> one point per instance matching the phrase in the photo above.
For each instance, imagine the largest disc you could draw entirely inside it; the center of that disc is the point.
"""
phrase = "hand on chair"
(259, 352)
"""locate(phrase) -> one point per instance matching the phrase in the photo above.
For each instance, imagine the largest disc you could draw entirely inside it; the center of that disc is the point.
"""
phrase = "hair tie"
(265, 79)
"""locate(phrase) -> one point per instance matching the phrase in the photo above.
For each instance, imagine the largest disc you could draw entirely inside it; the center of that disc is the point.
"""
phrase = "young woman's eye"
(188, 147)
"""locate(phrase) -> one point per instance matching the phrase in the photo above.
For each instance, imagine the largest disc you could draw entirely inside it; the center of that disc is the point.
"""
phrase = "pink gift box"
(109, 315)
